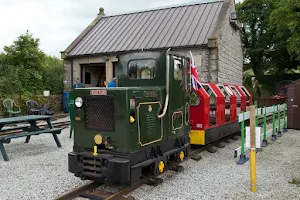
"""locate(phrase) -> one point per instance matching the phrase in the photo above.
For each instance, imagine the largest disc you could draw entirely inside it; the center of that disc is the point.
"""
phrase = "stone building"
(208, 29)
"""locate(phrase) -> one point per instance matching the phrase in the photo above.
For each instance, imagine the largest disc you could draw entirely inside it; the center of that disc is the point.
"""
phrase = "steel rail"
(90, 191)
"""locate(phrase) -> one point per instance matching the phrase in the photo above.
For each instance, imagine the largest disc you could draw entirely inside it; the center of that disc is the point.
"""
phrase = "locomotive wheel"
(210, 149)
(220, 145)
(227, 141)
(181, 155)
(161, 166)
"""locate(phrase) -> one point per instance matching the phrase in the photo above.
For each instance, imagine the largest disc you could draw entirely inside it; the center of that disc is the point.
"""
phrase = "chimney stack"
(101, 11)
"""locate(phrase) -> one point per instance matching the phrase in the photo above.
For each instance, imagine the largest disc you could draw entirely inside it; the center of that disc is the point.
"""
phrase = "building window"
(177, 70)
(115, 69)
(142, 69)
(87, 77)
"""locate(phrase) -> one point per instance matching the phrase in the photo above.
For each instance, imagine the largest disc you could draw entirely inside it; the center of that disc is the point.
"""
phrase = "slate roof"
(179, 26)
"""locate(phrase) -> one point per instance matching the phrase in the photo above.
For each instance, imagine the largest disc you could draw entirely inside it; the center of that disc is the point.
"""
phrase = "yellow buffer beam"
(197, 137)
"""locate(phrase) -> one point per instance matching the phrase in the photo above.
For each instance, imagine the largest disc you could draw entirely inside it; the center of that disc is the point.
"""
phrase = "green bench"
(12, 128)
(28, 130)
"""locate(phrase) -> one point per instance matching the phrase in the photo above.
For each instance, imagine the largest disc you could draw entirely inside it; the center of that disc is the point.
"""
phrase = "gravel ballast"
(39, 170)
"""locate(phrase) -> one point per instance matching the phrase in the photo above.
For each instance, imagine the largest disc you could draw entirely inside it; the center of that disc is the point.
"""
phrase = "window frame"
(141, 59)
(182, 68)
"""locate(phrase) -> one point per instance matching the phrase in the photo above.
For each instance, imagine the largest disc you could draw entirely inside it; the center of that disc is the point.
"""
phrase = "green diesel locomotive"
(124, 133)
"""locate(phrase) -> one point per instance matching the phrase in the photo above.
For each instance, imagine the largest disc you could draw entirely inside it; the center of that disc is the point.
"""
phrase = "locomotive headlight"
(78, 102)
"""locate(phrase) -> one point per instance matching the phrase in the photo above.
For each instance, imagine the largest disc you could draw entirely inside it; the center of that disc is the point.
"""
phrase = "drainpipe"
(72, 73)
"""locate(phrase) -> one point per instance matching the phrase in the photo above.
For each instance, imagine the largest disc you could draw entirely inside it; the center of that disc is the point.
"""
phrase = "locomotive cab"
(124, 133)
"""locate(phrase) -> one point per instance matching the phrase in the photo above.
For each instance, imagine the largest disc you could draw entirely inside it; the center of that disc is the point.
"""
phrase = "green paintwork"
(23, 119)
(284, 117)
(160, 75)
(71, 109)
(150, 124)
(278, 108)
(126, 137)
(265, 123)
(273, 121)
(243, 135)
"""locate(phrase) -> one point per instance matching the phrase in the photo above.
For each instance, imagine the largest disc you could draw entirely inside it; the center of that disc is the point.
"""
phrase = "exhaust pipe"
(167, 84)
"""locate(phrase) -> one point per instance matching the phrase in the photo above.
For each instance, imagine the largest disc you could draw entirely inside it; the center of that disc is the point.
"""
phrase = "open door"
(179, 88)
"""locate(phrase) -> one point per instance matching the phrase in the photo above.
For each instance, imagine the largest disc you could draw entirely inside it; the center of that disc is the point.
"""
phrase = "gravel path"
(217, 176)
(39, 170)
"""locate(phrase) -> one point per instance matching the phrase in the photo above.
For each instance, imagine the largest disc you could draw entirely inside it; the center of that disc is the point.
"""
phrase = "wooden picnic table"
(28, 130)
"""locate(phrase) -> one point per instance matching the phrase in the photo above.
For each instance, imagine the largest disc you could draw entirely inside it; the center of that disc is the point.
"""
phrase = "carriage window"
(212, 95)
(177, 70)
(194, 99)
(141, 69)
(246, 93)
(224, 90)
(238, 96)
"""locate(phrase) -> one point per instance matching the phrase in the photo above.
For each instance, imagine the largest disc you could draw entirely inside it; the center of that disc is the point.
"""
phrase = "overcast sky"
(58, 22)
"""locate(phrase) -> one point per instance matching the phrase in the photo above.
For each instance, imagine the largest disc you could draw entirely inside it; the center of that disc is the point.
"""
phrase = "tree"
(256, 35)
(25, 54)
(26, 70)
(286, 21)
(2, 58)
(9, 80)
(265, 36)
(53, 75)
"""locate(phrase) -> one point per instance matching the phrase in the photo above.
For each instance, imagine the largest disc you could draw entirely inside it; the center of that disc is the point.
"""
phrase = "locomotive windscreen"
(99, 113)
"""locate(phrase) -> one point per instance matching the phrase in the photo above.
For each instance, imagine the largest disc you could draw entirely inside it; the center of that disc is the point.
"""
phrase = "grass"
(295, 181)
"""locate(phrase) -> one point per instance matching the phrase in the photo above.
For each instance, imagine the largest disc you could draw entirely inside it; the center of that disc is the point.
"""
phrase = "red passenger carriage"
(214, 110)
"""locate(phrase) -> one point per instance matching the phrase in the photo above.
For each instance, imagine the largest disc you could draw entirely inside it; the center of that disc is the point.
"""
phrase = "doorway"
(93, 75)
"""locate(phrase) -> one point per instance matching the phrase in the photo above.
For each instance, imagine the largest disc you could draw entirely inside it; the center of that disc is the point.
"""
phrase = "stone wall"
(68, 74)
(230, 53)
(219, 64)
(201, 58)
(200, 55)
(77, 62)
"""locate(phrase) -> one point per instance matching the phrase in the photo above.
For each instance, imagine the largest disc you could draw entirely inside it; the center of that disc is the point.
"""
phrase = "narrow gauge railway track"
(269, 118)
(90, 190)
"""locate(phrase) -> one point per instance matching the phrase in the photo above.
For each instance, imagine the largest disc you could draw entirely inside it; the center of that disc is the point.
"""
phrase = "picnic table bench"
(28, 130)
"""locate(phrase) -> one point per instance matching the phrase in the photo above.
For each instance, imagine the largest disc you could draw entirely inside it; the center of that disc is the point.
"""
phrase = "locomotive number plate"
(98, 92)
(150, 93)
